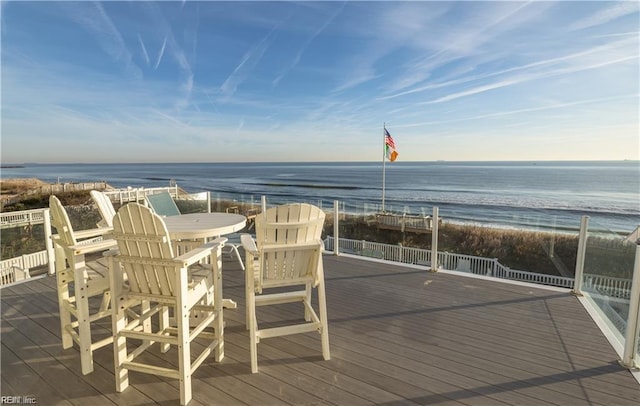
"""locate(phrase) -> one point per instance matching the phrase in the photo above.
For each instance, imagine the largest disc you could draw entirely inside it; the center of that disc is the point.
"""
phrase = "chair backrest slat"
(145, 247)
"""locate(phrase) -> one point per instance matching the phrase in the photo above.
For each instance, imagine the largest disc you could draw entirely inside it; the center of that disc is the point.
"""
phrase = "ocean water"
(538, 195)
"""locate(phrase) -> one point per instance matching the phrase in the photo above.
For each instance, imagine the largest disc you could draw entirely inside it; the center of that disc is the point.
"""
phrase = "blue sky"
(315, 81)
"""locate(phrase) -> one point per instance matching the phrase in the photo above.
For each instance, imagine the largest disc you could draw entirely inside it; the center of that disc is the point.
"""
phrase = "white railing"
(467, 263)
(614, 287)
(404, 222)
(10, 276)
(21, 219)
(24, 217)
(16, 269)
(122, 196)
(457, 262)
(27, 261)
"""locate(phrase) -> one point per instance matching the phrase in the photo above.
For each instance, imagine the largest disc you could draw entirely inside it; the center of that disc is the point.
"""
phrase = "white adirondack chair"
(288, 253)
(70, 248)
(105, 207)
(164, 281)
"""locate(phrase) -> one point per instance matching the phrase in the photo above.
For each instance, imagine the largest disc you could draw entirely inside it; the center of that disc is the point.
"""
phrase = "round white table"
(203, 225)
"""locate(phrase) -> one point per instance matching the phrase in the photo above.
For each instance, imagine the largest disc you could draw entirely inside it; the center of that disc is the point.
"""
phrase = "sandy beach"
(13, 186)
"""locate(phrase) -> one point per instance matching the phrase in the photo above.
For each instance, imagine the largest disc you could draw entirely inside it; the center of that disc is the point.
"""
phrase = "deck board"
(398, 336)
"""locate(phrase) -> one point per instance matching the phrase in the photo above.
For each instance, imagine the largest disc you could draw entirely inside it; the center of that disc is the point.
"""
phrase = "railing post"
(336, 233)
(263, 203)
(633, 322)
(208, 201)
(48, 242)
(434, 241)
(582, 248)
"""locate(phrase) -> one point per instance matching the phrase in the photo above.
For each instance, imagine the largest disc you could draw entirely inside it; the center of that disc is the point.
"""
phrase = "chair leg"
(322, 302)
(118, 322)
(248, 292)
(251, 321)
(119, 350)
(182, 312)
(253, 331)
(65, 315)
(184, 356)
(82, 308)
(308, 289)
(63, 276)
(216, 264)
(235, 250)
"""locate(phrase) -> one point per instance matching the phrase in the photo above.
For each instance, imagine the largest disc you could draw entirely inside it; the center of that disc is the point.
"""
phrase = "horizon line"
(18, 164)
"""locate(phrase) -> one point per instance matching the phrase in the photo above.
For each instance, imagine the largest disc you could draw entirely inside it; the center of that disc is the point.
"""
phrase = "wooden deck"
(398, 336)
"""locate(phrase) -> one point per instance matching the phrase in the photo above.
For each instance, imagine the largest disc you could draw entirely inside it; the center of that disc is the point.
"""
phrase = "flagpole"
(384, 126)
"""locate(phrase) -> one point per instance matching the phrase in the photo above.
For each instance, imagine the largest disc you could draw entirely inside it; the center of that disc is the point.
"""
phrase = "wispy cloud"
(615, 48)
(161, 53)
(144, 50)
(531, 77)
(94, 19)
(600, 17)
(171, 46)
(249, 61)
(544, 107)
(483, 23)
(309, 40)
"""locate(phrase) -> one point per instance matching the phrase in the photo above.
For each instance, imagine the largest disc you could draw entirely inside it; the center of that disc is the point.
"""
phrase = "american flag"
(388, 140)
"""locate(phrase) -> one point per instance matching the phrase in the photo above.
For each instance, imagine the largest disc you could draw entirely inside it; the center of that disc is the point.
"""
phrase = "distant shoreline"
(438, 161)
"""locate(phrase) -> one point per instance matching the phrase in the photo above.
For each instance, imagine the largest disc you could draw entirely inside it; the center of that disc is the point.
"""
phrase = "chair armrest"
(317, 244)
(249, 244)
(220, 240)
(93, 232)
(96, 246)
(115, 251)
(197, 254)
(86, 247)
